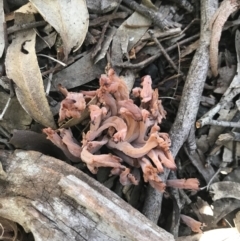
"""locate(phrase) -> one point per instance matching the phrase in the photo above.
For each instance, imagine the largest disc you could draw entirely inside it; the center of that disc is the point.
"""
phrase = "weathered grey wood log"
(56, 201)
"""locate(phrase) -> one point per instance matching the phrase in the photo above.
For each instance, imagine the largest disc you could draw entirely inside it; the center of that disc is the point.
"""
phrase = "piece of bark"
(56, 201)
(189, 103)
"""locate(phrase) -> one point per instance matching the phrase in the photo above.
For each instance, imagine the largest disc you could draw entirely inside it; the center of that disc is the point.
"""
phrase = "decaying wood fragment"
(56, 201)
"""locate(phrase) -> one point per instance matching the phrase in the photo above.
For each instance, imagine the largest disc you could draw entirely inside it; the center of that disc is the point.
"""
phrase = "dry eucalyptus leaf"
(28, 8)
(81, 72)
(15, 116)
(102, 6)
(234, 176)
(225, 114)
(135, 22)
(226, 75)
(227, 155)
(134, 27)
(160, 34)
(202, 143)
(149, 4)
(225, 189)
(69, 18)
(108, 39)
(190, 48)
(30, 140)
(223, 207)
(22, 67)
(46, 42)
(16, 3)
(237, 221)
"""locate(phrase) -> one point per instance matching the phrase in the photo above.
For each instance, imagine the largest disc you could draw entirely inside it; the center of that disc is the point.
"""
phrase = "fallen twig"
(148, 61)
(25, 26)
(98, 21)
(189, 103)
(164, 53)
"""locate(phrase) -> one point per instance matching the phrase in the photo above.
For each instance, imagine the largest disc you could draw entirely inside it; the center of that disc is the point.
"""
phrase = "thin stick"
(100, 20)
(206, 119)
(211, 180)
(99, 43)
(49, 83)
(5, 108)
(4, 132)
(222, 123)
(164, 53)
(56, 60)
(148, 61)
(25, 26)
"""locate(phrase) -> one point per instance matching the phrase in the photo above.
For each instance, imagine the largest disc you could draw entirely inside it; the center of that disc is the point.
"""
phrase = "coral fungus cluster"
(130, 132)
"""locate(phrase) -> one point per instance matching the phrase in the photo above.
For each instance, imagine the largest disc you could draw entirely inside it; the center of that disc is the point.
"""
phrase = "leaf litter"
(127, 47)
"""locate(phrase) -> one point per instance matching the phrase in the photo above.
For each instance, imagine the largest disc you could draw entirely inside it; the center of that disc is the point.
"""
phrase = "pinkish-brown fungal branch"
(196, 226)
(97, 114)
(190, 183)
(53, 136)
(131, 133)
(131, 151)
(113, 121)
(125, 176)
(103, 160)
(72, 106)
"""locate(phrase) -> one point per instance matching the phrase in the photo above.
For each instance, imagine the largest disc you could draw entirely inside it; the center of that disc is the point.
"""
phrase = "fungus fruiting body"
(131, 133)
